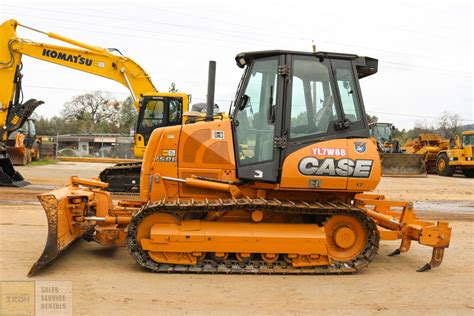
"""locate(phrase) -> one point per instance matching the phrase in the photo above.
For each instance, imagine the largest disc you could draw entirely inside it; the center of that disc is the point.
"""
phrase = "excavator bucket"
(8, 175)
(403, 165)
(59, 206)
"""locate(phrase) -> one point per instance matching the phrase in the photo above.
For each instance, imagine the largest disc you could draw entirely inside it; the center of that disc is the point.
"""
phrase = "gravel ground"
(107, 280)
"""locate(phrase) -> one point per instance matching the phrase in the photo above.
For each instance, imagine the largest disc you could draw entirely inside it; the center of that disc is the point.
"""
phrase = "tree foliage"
(173, 88)
(372, 118)
(448, 124)
(128, 116)
(95, 112)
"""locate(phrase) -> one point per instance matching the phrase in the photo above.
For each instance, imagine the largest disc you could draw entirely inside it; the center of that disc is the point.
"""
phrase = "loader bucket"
(8, 175)
(403, 165)
(17, 155)
(62, 230)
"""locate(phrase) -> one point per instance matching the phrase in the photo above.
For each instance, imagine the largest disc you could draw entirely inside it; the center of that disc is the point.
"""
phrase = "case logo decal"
(345, 167)
(360, 147)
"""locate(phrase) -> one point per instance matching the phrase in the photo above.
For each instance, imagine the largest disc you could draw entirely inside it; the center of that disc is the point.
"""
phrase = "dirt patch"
(108, 281)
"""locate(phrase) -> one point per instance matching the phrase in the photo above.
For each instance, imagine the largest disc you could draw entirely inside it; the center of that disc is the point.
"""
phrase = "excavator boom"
(165, 108)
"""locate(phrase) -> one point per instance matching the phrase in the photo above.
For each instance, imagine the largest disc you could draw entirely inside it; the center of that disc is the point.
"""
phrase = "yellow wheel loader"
(395, 162)
(23, 146)
(457, 157)
(281, 187)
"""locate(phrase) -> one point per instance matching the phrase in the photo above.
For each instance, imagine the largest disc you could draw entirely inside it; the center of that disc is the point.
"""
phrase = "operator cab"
(288, 100)
(158, 111)
(381, 131)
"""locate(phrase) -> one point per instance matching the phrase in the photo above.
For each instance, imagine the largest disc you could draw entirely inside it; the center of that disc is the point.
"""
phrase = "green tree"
(127, 116)
(372, 119)
(96, 112)
(173, 88)
(448, 124)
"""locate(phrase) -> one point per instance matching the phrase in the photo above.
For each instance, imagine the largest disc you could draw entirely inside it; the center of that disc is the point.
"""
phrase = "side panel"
(206, 150)
(364, 149)
(316, 166)
(344, 164)
(160, 160)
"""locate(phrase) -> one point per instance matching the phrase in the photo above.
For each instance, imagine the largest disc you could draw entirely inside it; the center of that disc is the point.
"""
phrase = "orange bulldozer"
(279, 187)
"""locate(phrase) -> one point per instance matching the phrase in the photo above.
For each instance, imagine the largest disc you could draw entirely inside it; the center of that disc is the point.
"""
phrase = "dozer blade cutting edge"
(8, 175)
(403, 165)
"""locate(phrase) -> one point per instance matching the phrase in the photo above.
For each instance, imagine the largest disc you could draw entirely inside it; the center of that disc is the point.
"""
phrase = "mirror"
(243, 102)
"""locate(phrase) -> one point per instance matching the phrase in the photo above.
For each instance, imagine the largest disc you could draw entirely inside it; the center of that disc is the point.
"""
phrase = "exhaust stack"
(211, 88)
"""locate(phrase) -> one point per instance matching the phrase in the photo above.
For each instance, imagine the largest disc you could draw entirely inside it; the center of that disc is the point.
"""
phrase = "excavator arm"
(83, 57)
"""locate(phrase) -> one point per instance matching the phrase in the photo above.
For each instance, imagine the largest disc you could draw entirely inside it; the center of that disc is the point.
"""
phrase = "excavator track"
(233, 266)
(123, 178)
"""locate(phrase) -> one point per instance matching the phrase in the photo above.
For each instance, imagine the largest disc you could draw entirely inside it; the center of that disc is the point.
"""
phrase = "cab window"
(255, 129)
(153, 114)
(347, 90)
(175, 111)
(468, 140)
(312, 100)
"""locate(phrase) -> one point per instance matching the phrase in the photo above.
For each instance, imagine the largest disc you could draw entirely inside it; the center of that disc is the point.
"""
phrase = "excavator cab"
(159, 111)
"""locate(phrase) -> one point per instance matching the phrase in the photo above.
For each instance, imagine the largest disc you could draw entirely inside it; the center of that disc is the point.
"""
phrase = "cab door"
(257, 121)
(316, 153)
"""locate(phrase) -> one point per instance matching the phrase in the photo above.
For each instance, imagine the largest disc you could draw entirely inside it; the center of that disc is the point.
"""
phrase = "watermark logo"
(36, 298)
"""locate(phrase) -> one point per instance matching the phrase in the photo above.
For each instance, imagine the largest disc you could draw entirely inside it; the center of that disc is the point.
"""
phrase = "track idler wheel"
(347, 237)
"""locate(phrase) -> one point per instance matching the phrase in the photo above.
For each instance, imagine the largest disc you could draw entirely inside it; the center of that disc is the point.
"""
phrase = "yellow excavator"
(278, 188)
(156, 109)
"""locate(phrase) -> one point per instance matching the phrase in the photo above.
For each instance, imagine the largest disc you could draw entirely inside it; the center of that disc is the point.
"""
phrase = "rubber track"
(119, 169)
(257, 266)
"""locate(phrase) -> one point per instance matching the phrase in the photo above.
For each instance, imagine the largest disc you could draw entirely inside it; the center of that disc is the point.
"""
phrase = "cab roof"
(366, 66)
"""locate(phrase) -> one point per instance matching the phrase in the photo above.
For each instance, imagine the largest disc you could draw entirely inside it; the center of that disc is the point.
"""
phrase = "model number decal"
(345, 167)
(320, 151)
(165, 159)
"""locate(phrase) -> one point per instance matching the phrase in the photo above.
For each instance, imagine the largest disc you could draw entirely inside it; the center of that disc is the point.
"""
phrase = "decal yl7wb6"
(345, 167)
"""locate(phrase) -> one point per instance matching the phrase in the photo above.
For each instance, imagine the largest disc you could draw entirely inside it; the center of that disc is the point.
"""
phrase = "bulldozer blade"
(8, 175)
(404, 165)
(62, 231)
